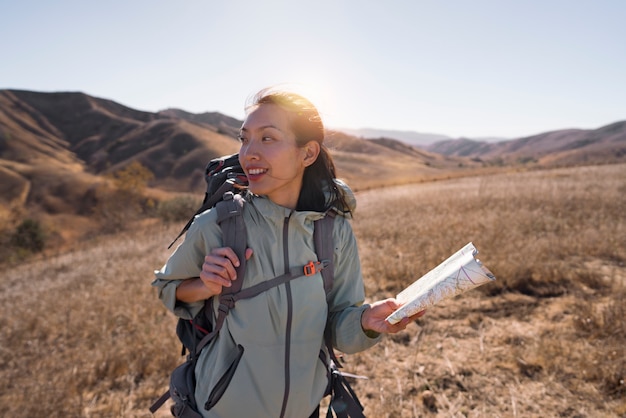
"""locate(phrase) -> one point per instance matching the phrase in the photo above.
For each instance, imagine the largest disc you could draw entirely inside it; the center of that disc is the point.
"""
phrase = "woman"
(274, 339)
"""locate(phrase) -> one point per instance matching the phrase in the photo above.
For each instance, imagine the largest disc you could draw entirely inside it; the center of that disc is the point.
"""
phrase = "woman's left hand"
(373, 318)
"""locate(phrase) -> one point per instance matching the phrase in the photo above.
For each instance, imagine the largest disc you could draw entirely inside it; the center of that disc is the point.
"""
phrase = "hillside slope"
(55, 147)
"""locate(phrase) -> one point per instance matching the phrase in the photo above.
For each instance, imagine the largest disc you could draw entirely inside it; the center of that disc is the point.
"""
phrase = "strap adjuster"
(310, 268)
(313, 267)
(227, 302)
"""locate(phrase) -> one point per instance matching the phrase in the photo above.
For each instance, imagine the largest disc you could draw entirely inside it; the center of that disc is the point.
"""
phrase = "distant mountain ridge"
(409, 137)
(418, 139)
(606, 144)
(224, 124)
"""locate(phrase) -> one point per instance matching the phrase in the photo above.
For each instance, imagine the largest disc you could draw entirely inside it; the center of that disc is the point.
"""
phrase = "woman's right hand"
(218, 271)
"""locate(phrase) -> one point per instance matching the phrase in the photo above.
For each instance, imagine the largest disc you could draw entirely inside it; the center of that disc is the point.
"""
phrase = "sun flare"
(318, 92)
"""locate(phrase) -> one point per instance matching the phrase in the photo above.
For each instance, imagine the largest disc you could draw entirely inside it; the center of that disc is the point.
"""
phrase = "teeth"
(257, 171)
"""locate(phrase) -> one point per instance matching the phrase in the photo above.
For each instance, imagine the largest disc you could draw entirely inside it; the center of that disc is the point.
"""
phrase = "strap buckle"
(310, 268)
(313, 267)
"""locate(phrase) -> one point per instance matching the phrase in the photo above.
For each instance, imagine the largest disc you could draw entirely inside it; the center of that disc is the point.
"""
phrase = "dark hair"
(319, 191)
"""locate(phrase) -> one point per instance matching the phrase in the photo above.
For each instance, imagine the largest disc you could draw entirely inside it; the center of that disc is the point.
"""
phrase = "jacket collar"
(269, 208)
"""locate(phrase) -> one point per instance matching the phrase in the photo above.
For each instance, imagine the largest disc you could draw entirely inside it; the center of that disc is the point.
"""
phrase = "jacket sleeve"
(186, 262)
(348, 293)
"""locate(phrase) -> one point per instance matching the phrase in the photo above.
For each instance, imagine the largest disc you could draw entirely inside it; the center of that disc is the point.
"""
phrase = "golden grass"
(83, 335)
(547, 338)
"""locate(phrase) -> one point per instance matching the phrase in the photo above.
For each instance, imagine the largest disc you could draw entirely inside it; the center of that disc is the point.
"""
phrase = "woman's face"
(270, 156)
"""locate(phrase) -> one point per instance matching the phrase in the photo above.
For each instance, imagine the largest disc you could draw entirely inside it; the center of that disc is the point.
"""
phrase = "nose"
(249, 150)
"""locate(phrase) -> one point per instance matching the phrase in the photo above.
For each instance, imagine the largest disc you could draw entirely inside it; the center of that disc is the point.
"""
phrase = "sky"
(499, 68)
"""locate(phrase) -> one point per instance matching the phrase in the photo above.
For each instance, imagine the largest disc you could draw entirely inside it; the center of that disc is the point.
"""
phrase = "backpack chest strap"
(308, 269)
(227, 300)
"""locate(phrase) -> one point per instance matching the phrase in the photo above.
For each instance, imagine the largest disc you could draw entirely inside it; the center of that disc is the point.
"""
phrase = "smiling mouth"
(257, 171)
(255, 174)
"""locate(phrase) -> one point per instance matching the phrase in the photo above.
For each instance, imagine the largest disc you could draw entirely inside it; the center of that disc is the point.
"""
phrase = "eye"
(267, 139)
(242, 139)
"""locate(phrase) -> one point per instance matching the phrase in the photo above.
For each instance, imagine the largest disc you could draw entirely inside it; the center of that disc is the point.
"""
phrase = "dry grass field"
(83, 335)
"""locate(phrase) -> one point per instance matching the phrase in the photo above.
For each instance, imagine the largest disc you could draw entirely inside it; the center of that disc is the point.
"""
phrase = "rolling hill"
(565, 147)
(56, 147)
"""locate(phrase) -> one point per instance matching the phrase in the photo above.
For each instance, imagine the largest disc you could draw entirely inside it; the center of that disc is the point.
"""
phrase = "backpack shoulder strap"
(230, 220)
(343, 400)
(325, 248)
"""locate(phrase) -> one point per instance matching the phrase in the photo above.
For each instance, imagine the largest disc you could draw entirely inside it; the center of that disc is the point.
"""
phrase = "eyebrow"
(260, 128)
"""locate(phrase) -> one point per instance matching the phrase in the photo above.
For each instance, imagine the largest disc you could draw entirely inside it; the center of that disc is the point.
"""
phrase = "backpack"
(225, 177)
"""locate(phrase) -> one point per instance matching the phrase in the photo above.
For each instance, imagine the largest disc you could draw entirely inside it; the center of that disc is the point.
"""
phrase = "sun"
(318, 92)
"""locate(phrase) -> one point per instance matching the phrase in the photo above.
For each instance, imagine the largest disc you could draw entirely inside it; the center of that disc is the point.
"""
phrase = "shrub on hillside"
(5, 245)
(29, 236)
(133, 178)
(123, 201)
(177, 209)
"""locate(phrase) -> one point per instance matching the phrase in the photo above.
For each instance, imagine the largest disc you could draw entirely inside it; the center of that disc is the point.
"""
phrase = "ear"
(311, 152)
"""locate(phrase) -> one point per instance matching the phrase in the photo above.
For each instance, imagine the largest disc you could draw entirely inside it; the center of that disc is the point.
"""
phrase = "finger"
(226, 252)
(214, 283)
(213, 274)
(417, 315)
(404, 323)
(397, 327)
(249, 253)
(221, 266)
(392, 304)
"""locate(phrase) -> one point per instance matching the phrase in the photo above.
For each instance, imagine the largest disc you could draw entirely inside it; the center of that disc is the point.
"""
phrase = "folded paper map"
(459, 273)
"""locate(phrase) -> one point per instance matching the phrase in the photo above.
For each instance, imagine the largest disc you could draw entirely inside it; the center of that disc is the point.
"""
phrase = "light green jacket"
(266, 375)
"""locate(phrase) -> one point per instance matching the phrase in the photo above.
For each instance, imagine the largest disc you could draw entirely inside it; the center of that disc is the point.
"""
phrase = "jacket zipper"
(289, 314)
